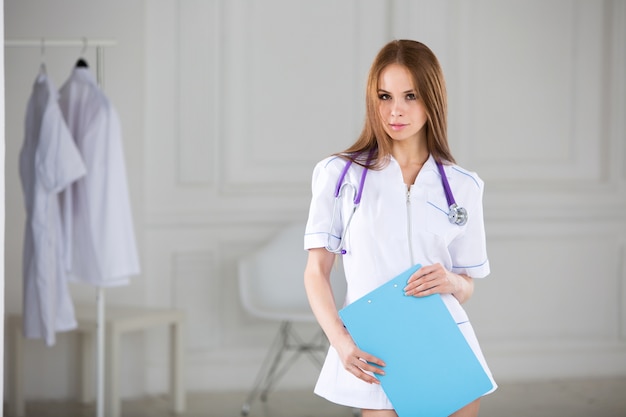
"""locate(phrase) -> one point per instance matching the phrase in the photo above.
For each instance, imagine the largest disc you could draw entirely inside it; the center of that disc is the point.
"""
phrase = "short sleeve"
(58, 162)
(469, 250)
(322, 230)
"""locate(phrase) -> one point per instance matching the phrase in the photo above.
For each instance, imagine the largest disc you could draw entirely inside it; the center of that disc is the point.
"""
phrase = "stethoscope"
(456, 215)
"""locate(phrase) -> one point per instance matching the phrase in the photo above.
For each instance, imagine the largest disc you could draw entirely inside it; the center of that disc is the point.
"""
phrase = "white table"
(119, 320)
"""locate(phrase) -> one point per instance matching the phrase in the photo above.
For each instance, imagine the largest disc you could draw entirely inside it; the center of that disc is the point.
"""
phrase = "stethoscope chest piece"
(457, 215)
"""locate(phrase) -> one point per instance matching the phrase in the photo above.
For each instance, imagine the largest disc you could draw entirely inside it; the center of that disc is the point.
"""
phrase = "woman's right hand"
(357, 362)
(320, 294)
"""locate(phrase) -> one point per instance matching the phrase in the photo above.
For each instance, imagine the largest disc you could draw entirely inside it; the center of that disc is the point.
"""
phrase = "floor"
(572, 398)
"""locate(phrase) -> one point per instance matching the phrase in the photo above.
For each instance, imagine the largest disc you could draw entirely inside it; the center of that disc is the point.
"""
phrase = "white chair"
(271, 286)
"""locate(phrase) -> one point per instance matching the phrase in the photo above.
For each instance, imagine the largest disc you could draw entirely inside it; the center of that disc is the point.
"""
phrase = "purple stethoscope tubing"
(359, 192)
(356, 201)
(456, 215)
(446, 185)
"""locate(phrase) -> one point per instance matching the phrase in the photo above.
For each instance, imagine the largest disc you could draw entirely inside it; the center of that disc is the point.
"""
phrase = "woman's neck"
(411, 158)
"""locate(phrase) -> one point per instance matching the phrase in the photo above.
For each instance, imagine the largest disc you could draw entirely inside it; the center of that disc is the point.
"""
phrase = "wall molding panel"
(532, 362)
(199, 93)
(198, 296)
(537, 122)
(532, 274)
(622, 290)
(425, 21)
(616, 84)
(289, 96)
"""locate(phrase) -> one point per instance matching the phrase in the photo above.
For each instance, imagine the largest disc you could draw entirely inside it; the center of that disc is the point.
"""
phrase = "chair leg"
(272, 374)
(313, 348)
(273, 355)
(272, 369)
(316, 349)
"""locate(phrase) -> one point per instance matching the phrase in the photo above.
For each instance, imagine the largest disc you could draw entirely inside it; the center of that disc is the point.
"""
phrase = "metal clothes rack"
(99, 44)
(85, 43)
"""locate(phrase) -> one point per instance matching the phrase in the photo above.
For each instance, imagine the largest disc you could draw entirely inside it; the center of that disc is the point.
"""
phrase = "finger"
(424, 283)
(413, 283)
(426, 270)
(426, 292)
(420, 273)
(368, 363)
(428, 280)
(366, 367)
(359, 373)
(367, 358)
(425, 273)
(365, 372)
(424, 288)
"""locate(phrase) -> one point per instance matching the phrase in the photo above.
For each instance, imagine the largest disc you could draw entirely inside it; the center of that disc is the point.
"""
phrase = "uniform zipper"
(408, 222)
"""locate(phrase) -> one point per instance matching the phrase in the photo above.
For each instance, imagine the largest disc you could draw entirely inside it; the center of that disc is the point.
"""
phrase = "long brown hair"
(429, 82)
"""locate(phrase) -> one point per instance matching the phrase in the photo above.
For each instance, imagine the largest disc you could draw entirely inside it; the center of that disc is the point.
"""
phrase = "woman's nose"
(396, 109)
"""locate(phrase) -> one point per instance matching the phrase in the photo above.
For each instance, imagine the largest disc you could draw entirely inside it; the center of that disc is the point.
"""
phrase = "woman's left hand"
(432, 279)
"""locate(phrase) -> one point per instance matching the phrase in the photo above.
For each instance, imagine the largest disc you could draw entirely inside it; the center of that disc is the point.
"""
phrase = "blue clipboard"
(430, 368)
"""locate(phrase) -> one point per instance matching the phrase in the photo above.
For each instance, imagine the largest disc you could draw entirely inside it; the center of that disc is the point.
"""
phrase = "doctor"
(390, 212)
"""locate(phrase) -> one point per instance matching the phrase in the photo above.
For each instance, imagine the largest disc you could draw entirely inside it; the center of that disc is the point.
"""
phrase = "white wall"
(2, 217)
(226, 106)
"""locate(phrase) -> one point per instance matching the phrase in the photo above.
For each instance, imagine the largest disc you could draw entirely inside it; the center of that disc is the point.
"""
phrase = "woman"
(402, 219)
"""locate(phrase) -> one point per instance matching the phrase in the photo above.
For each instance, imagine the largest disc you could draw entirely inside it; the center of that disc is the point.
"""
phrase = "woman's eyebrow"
(412, 90)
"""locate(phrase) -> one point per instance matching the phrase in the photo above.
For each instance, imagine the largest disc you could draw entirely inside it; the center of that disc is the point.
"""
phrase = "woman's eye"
(411, 97)
(384, 96)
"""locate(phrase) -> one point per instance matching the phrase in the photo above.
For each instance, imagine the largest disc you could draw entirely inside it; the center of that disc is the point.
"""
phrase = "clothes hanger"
(42, 64)
(82, 63)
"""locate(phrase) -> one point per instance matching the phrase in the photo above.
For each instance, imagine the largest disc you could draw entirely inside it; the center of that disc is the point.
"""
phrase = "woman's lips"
(397, 126)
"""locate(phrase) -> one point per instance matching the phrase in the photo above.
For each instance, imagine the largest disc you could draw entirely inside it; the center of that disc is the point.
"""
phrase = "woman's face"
(402, 112)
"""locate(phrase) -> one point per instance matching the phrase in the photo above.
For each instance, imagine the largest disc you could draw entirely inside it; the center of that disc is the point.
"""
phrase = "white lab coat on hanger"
(97, 211)
(49, 162)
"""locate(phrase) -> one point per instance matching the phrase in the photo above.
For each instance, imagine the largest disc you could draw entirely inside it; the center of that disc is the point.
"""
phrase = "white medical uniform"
(393, 229)
(49, 162)
(96, 209)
